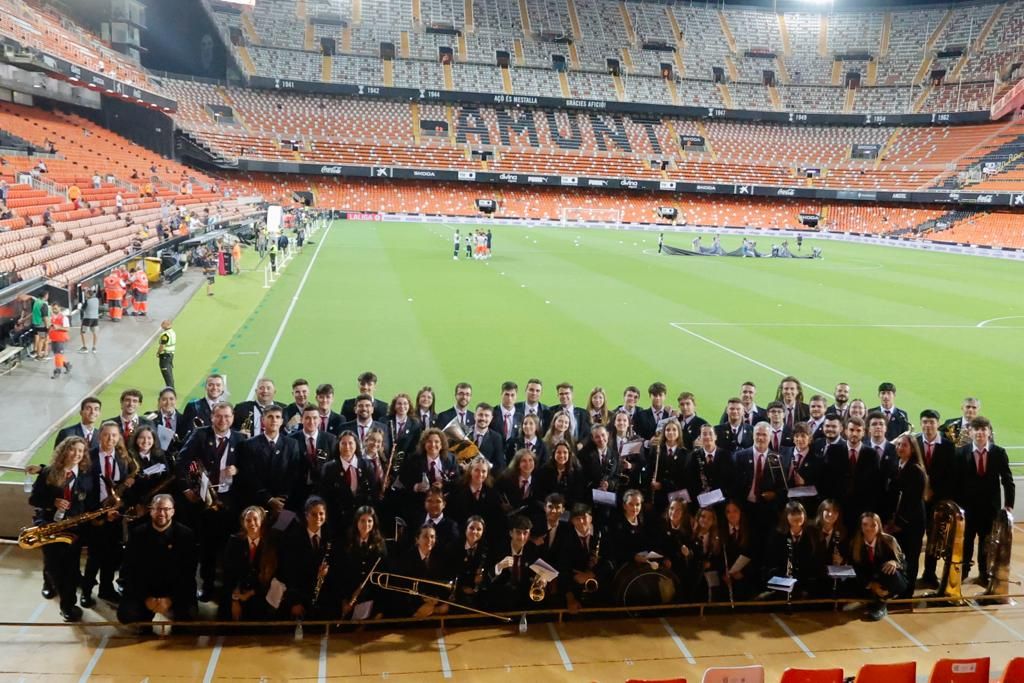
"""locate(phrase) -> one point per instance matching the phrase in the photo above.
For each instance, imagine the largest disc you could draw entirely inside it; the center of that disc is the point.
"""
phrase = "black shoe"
(877, 612)
(67, 368)
(110, 594)
(87, 600)
(72, 614)
(48, 593)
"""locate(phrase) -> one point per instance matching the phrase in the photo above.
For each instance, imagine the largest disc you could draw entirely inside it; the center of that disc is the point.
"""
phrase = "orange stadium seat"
(1014, 671)
(901, 672)
(960, 671)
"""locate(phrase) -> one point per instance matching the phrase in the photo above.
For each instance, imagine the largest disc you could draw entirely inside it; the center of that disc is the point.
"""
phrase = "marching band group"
(301, 512)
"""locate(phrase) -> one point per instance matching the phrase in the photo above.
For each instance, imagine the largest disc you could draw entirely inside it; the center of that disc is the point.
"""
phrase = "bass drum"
(637, 585)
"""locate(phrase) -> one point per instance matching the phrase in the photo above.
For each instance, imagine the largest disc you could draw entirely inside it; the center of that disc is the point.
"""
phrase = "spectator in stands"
(135, 175)
(118, 204)
(41, 166)
(50, 148)
(5, 212)
(4, 191)
(96, 181)
(75, 195)
(160, 232)
(48, 217)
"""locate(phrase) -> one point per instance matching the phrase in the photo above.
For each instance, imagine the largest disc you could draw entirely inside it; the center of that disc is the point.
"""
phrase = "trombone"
(410, 585)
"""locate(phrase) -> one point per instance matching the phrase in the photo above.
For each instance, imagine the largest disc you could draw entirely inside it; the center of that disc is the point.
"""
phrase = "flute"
(728, 579)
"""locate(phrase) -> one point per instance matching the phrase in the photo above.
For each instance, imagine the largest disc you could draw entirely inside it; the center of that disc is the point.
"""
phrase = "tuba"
(946, 543)
(460, 446)
(1000, 545)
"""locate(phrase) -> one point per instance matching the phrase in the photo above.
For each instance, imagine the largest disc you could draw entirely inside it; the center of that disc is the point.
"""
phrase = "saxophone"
(39, 535)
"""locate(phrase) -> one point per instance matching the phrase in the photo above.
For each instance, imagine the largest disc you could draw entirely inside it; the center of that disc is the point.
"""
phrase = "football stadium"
(582, 340)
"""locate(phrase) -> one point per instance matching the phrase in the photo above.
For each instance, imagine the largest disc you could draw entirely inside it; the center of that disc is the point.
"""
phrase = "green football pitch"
(601, 307)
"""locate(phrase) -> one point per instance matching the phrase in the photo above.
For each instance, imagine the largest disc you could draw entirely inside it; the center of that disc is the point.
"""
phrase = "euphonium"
(58, 532)
(946, 542)
(538, 589)
(460, 446)
(1000, 545)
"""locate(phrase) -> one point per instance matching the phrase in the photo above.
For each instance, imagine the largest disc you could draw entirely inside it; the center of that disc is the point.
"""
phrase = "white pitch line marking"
(321, 672)
(446, 667)
(211, 666)
(850, 325)
(889, 620)
(36, 613)
(996, 620)
(796, 639)
(992, 320)
(566, 662)
(288, 313)
(95, 659)
(678, 641)
(736, 353)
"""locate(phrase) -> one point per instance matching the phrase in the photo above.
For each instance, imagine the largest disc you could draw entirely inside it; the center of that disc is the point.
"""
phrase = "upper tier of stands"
(291, 127)
(894, 54)
(55, 34)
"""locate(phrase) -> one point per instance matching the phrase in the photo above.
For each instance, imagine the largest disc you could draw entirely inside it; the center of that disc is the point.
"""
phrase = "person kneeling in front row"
(159, 568)
(879, 563)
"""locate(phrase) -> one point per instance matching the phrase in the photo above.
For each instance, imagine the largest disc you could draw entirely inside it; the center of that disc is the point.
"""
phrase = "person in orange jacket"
(140, 291)
(114, 291)
(60, 323)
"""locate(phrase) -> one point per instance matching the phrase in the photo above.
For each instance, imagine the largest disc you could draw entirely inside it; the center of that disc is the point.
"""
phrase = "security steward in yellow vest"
(165, 353)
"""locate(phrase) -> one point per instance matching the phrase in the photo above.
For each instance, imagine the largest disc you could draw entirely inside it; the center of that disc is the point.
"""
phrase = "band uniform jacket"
(161, 564)
(299, 563)
(335, 423)
(784, 438)
(897, 424)
(581, 416)
(646, 422)
(335, 487)
(246, 409)
(543, 412)
(597, 469)
(751, 417)
(943, 475)
(466, 423)
(268, 471)
(325, 449)
(415, 467)
(771, 478)
(732, 441)
(718, 473)
(981, 495)
(138, 421)
(463, 503)
(539, 450)
(905, 501)
(83, 497)
(348, 409)
(179, 427)
(79, 430)
(492, 447)
(406, 439)
(121, 466)
(201, 448)
(858, 489)
(198, 408)
(809, 467)
(498, 423)
(691, 430)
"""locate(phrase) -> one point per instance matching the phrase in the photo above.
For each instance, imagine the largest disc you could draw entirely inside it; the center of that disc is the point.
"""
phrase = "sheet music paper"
(604, 497)
(681, 494)
(275, 593)
(362, 610)
(544, 570)
(784, 584)
(803, 491)
(631, 448)
(158, 468)
(841, 571)
(164, 436)
(706, 500)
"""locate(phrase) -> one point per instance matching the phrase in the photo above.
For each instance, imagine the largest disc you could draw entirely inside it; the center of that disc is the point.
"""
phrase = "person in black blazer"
(791, 394)
(511, 575)
(957, 430)
(270, 467)
(563, 475)
(528, 438)
(212, 450)
(852, 475)
(144, 449)
(403, 426)
(507, 418)
(88, 425)
(461, 409)
(364, 422)
(253, 412)
(841, 407)
(647, 420)
(905, 505)
(346, 481)
(517, 487)
(896, 420)
(448, 533)
(363, 550)
(367, 386)
(488, 441)
(474, 495)
(804, 462)
(734, 434)
(818, 408)
(690, 421)
(752, 413)
(599, 461)
(431, 465)
(760, 483)
(425, 410)
(781, 435)
(877, 440)
(984, 469)
(293, 411)
(709, 467)
(422, 561)
(64, 485)
(129, 419)
(199, 411)
(879, 562)
(248, 562)
(532, 404)
(307, 552)
(665, 465)
(316, 445)
(940, 465)
(330, 421)
(579, 418)
(168, 423)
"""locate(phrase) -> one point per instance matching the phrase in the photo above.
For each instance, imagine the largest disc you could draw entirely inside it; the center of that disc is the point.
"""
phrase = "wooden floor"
(607, 650)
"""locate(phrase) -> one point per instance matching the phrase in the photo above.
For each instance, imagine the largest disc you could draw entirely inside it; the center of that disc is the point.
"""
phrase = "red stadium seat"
(960, 671)
(812, 676)
(900, 672)
(734, 674)
(1014, 672)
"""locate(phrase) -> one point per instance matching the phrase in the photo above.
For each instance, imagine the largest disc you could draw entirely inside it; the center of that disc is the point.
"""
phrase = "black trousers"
(212, 528)
(104, 556)
(61, 565)
(977, 526)
(910, 541)
(167, 368)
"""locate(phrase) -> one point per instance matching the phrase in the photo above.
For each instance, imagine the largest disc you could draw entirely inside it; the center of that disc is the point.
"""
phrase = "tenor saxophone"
(59, 532)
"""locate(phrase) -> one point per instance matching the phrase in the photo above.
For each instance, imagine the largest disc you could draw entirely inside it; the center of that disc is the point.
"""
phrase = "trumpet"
(410, 585)
(538, 589)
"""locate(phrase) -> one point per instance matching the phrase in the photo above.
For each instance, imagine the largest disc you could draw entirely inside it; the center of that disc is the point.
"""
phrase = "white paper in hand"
(706, 500)
(803, 491)
(275, 593)
(681, 494)
(631, 448)
(544, 570)
(784, 584)
(158, 468)
(604, 497)
(362, 611)
(841, 571)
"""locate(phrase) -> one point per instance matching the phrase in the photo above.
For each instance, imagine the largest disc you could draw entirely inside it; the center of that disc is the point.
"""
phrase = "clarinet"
(789, 566)
(701, 464)
(321, 573)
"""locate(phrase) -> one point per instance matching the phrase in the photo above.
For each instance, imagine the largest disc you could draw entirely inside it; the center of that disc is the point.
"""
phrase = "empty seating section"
(805, 63)
(604, 33)
(537, 53)
(293, 64)
(482, 45)
(443, 12)
(908, 36)
(855, 32)
(589, 85)
(646, 89)
(1002, 229)
(428, 46)
(811, 98)
(696, 93)
(277, 24)
(477, 78)
(650, 23)
(754, 32)
(418, 74)
(706, 45)
(887, 100)
(959, 97)
(751, 96)
(359, 70)
(37, 28)
(534, 81)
